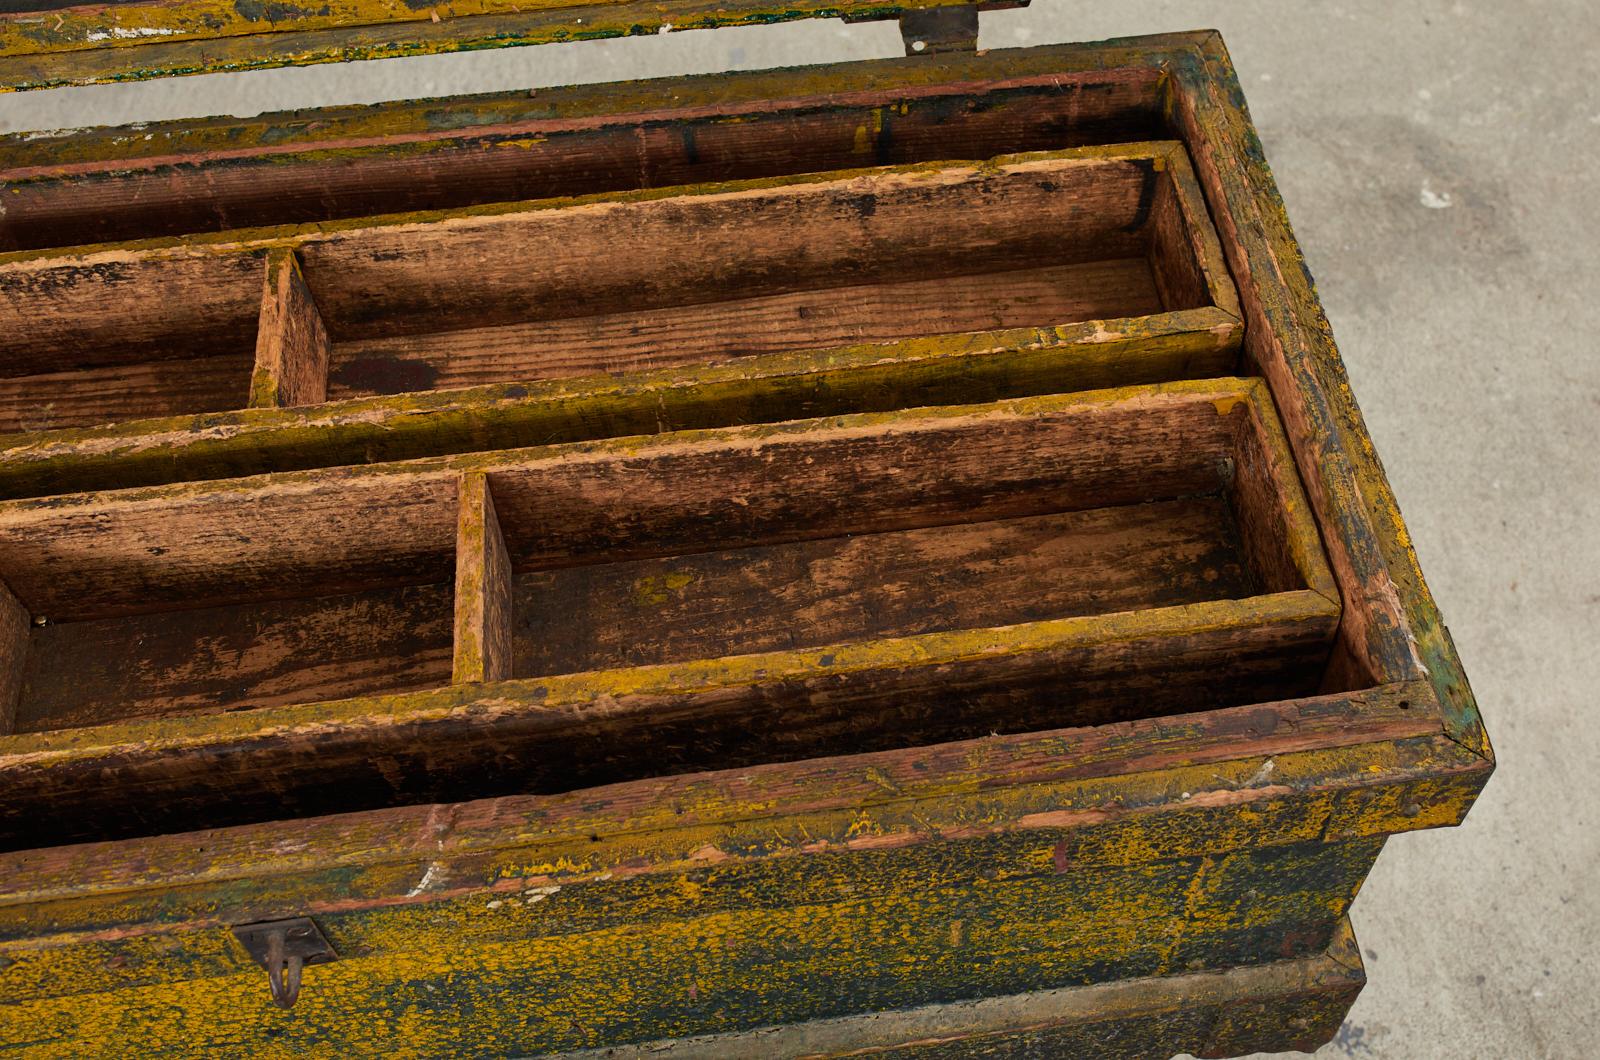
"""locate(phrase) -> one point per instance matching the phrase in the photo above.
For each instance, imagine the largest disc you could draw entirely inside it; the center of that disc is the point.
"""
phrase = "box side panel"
(981, 935)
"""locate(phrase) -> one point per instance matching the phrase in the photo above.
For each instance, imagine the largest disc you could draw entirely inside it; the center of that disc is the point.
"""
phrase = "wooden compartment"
(1022, 274)
(739, 596)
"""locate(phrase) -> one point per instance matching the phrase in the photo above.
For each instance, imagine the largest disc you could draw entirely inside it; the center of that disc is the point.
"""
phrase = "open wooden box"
(831, 697)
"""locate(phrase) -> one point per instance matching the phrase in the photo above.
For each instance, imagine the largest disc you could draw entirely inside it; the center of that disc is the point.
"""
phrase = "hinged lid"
(50, 43)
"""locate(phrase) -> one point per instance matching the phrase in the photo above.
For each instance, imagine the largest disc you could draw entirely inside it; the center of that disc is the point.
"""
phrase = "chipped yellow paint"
(752, 966)
(653, 590)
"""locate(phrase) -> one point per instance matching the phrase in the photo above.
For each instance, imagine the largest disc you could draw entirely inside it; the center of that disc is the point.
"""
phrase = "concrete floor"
(1441, 162)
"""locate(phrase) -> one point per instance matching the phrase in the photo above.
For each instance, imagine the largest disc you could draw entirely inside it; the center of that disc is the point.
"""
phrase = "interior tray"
(1054, 271)
(653, 605)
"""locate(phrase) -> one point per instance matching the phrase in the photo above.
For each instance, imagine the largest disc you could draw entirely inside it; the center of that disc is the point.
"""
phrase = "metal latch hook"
(284, 948)
(283, 971)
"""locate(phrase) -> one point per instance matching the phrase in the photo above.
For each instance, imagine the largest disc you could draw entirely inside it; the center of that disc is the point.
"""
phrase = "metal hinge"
(939, 30)
(283, 948)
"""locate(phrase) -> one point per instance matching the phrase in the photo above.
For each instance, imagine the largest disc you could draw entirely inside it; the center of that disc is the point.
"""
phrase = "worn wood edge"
(483, 607)
(1018, 362)
(563, 108)
(1225, 395)
(204, 36)
(568, 697)
(1340, 451)
(1337, 971)
(609, 874)
(237, 241)
(1310, 749)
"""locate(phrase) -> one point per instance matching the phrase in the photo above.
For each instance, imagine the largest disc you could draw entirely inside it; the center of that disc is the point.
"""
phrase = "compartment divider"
(483, 605)
(292, 345)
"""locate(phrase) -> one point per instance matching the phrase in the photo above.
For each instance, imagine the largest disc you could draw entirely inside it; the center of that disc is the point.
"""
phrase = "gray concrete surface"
(1441, 163)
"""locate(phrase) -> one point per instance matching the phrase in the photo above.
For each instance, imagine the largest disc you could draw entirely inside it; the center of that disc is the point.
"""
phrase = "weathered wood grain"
(715, 332)
(291, 366)
(947, 369)
(736, 971)
(483, 607)
(759, 238)
(114, 306)
(86, 397)
(204, 544)
(421, 302)
(204, 660)
(861, 587)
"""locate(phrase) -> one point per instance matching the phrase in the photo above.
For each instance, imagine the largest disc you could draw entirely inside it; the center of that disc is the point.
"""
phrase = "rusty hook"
(284, 948)
(283, 971)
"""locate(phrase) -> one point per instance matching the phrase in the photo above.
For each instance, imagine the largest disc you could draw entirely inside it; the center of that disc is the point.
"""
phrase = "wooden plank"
(719, 332)
(1115, 789)
(483, 607)
(113, 307)
(292, 347)
(87, 397)
(793, 263)
(193, 36)
(868, 586)
(199, 661)
(946, 369)
(16, 628)
(1275, 1007)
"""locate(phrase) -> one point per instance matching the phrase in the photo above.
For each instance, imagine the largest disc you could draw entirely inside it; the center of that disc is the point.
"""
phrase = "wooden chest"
(872, 558)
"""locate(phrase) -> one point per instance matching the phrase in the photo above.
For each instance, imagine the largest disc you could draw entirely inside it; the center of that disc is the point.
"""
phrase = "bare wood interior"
(602, 287)
(579, 565)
